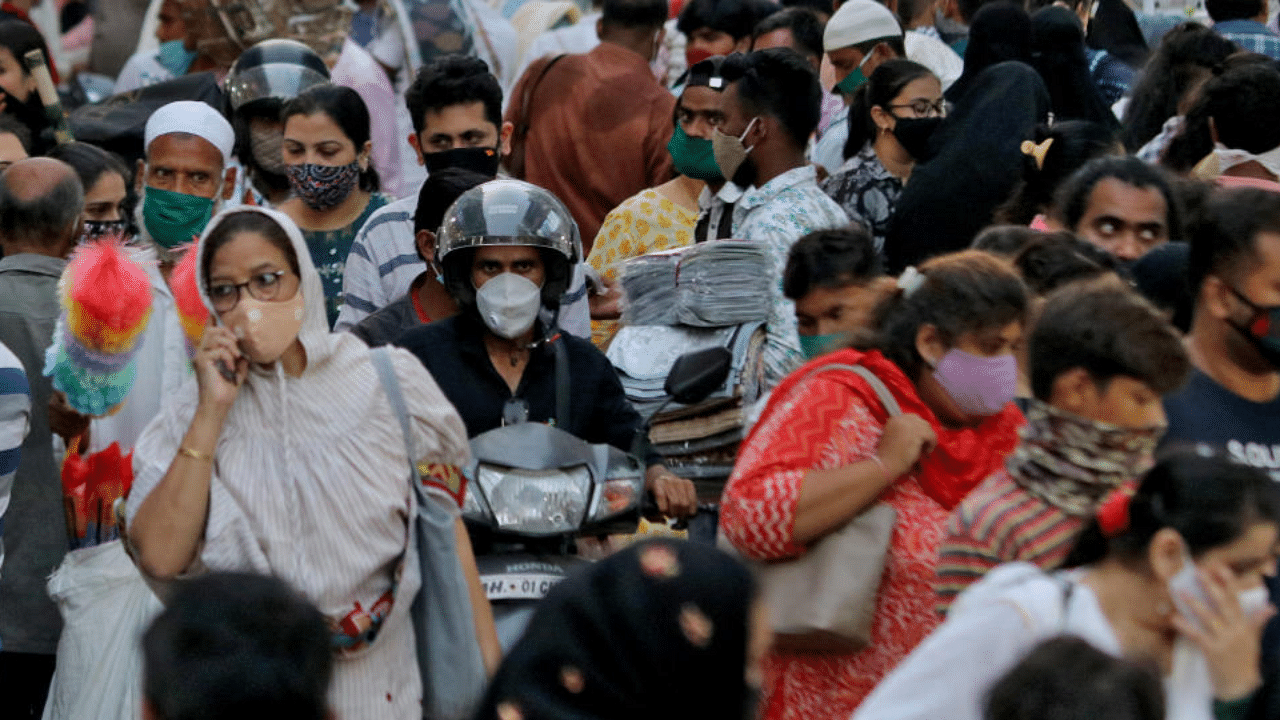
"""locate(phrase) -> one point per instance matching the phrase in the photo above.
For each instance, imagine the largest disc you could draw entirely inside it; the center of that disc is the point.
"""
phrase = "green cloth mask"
(854, 79)
(693, 157)
(811, 346)
(173, 218)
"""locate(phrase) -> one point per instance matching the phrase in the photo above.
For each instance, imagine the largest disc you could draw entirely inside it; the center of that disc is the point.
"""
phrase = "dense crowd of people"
(1014, 361)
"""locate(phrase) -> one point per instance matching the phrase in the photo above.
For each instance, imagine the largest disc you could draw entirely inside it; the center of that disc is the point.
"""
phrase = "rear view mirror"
(696, 375)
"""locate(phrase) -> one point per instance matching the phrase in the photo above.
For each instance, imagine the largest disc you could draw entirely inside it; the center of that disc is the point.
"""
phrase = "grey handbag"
(824, 600)
(453, 674)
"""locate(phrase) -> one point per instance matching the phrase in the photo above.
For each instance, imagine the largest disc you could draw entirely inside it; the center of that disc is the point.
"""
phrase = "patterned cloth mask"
(1072, 462)
(323, 186)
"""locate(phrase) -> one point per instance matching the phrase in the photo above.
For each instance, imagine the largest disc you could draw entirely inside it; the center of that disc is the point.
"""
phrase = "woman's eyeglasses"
(267, 287)
(924, 108)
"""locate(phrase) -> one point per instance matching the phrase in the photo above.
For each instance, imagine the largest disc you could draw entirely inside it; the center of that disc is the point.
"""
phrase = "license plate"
(518, 586)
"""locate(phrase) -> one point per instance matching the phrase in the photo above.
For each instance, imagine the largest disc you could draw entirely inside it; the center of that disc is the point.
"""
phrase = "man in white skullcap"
(186, 174)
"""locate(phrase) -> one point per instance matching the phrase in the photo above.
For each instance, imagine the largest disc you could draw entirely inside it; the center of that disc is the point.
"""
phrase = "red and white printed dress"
(829, 420)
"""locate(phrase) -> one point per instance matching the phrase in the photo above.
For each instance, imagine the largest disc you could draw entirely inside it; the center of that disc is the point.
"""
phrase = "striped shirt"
(382, 263)
(1000, 522)
(15, 412)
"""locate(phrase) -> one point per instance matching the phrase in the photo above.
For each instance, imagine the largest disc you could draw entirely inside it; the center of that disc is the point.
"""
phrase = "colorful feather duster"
(192, 312)
(106, 304)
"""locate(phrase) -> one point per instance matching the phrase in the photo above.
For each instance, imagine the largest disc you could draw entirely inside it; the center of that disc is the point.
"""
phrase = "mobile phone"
(227, 373)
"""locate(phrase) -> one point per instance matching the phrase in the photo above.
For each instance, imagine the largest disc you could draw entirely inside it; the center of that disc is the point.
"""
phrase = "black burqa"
(1000, 32)
(1057, 52)
(978, 161)
(1115, 28)
(656, 631)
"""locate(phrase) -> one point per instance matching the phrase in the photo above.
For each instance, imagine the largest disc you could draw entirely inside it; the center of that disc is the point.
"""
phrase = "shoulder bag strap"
(522, 127)
(391, 384)
(562, 382)
(877, 385)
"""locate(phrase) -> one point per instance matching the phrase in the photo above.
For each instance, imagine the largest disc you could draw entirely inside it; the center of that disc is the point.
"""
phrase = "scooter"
(533, 490)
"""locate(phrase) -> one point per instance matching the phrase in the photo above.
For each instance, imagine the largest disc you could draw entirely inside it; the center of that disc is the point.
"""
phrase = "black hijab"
(1057, 52)
(656, 631)
(1115, 28)
(978, 161)
(1000, 32)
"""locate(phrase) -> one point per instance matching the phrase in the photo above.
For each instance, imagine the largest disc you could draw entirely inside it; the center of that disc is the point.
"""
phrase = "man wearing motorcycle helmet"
(507, 249)
(262, 79)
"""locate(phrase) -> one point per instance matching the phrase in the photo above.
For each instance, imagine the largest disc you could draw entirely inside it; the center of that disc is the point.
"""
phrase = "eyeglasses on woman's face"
(923, 108)
(279, 285)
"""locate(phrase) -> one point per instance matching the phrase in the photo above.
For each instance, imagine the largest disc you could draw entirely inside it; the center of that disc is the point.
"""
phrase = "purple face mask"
(978, 385)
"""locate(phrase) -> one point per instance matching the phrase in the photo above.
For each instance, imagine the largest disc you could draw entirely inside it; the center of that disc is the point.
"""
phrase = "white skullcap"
(859, 21)
(195, 118)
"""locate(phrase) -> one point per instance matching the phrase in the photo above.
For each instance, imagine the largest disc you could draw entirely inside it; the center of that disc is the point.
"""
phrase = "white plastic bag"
(105, 606)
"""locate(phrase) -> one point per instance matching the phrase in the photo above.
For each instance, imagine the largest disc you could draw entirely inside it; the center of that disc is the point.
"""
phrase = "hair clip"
(1113, 513)
(910, 281)
(1037, 151)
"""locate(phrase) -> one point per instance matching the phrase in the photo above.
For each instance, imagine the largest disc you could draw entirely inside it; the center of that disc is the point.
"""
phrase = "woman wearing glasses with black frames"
(284, 456)
(899, 105)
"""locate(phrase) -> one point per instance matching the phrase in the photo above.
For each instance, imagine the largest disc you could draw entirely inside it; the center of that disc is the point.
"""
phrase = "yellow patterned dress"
(643, 223)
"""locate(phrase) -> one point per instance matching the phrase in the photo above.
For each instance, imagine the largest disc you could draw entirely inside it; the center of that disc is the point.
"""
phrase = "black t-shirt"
(1205, 413)
(453, 351)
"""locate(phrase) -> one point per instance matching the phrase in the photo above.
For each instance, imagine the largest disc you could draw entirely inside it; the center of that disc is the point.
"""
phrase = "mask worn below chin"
(323, 187)
(914, 134)
(693, 157)
(481, 160)
(730, 152)
(854, 79)
(173, 218)
(978, 385)
(175, 57)
(814, 345)
(267, 149)
(509, 304)
(265, 329)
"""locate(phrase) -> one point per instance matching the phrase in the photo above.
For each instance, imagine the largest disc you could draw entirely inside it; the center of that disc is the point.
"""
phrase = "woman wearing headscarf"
(284, 456)
(1058, 54)
(1000, 32)
(976, 164)
(663, 629)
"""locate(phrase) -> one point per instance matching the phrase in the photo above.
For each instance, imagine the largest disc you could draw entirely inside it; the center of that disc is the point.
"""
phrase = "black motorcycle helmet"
(263, 78)
(507, 212)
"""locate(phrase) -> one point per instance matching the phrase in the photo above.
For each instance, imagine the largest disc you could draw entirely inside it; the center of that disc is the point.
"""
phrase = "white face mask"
(509, 304)
(1186, 582)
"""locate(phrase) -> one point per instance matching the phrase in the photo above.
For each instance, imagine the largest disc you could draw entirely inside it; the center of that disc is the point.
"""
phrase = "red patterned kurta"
(830, 420)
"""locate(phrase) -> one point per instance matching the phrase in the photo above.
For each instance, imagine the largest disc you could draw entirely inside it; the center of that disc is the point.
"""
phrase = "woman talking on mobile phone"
(1172, 573)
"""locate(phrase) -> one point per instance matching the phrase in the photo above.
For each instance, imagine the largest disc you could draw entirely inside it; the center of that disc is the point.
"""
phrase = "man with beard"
(770, 105)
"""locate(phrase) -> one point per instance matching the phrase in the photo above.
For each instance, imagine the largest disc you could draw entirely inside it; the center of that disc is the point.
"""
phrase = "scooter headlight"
(536, 502)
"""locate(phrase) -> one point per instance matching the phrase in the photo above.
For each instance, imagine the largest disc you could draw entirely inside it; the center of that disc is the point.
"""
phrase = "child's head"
(1101, 351)
(832, 277)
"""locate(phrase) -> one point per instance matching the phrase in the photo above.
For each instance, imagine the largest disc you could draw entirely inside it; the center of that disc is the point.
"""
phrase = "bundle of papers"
(713, 284)
(649, 286)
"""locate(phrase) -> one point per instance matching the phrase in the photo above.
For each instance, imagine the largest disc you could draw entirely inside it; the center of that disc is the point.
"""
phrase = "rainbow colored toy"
(106, 303)
(192, 312)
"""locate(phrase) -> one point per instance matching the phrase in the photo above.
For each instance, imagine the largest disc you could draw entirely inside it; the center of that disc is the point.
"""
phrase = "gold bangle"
(194, 454)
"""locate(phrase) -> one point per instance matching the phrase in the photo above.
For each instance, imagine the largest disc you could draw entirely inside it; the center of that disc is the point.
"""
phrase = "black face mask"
(481, 160)
(914, 135)
(1262, 331)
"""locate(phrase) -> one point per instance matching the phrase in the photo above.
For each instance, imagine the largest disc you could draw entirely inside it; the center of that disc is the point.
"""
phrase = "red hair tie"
(1113, 513)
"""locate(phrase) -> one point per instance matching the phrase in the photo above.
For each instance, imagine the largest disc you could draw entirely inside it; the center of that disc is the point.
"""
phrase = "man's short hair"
(633, 14)
(44, 220)
(1223, 10)
(9, 125)
(237, 645)
(831, 259)
(453, 80)
(1224, 236)
(737, 18)
(825, 7)
(779, 83)
(1109, 330)
(1072, 199)
(804, 25)
(1056, 259)
(438, 193)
